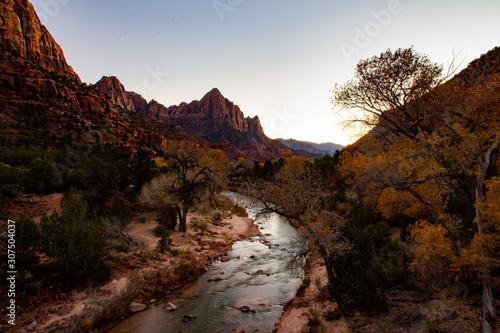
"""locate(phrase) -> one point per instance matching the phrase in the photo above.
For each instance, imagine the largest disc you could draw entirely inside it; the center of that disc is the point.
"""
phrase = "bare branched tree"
(295, 192)
(193, 176)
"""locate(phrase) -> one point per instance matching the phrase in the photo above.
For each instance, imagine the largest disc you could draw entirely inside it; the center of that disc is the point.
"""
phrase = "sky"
(277, 59)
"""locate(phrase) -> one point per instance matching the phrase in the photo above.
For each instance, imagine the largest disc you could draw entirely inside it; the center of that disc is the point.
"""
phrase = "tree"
(304, 207)
(142, 169)
(193, 176)
(473, 122)
(76, 239)
(387, 89)
(454, 127)
(102, 173)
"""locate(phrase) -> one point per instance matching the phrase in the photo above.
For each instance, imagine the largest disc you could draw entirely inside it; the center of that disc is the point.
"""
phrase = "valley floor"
(140, 275)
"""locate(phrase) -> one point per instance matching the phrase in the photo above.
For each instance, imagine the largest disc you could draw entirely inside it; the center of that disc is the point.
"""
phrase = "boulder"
(215, 279)
(188, 317)
(171, 306)
(32, 326)
(136, 307)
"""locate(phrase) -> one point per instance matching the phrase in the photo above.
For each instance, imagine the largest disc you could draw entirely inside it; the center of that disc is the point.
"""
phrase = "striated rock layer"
(214, 118)
(115, 91)
(42, 99)
(22, 35)
(44, 103)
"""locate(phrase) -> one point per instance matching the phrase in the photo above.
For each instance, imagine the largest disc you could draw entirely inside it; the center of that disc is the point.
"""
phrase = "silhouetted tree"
(194, 176)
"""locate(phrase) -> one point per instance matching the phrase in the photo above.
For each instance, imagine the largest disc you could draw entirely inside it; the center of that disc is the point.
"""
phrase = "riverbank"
(311, 309)
(409, 311)
(139, 276)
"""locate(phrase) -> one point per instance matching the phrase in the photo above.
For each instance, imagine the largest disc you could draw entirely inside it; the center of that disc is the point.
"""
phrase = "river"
(256, 276)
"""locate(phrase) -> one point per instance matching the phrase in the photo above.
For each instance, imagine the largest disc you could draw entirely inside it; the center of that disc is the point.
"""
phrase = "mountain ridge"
(314, 148)
(44, 102)
(213, 118)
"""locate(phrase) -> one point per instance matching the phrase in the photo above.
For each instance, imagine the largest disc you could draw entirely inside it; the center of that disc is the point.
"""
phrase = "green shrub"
(161, 231)
(167, 217)
(120, 209)
(239, 211)
(43, 177)
(27, 242)
(164, 244)
(76, 239)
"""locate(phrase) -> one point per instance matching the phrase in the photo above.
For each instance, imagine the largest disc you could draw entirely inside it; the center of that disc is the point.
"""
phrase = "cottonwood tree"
(295, 192)
(457, 127)
(193, 176)
(384, 88)
(474, 124)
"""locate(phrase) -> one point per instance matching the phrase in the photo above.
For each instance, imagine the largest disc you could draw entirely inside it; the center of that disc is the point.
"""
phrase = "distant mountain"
(213, 118)
(311, 148)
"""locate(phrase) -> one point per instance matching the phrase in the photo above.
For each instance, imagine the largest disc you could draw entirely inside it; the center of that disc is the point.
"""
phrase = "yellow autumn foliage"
(433, 254)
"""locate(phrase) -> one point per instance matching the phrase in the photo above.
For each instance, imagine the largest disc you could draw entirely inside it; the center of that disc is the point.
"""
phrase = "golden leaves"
(433, 255)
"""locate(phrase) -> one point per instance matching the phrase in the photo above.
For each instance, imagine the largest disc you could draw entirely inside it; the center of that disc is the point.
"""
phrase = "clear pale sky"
(277, 59)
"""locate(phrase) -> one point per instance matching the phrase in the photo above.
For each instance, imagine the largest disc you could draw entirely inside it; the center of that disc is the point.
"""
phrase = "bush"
(27, 242)
(200, 225)
(77, 240)
(161, 231)
(216, 218)
(120, 209)
(167, 216)
(43, 177)
(374, 264)
(239, 211)
(164, 244)
(10, 182)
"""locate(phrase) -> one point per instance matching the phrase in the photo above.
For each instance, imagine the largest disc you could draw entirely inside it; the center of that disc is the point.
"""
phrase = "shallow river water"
(257, 276)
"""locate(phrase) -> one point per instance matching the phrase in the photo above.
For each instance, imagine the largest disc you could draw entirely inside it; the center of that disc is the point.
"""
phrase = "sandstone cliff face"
(209, 114)
(212, 113)
(34, 72)
(115, 90)
(42, 99)
(23, 36)
(159, 112)
(140, 103)
(218, 120)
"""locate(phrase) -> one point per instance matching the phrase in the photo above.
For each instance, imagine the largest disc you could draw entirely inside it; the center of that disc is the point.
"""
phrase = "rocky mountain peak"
(114, 89)
(23, 36)
(213, 93)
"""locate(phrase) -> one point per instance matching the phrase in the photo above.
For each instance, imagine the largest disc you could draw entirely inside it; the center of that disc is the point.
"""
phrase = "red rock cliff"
(115, 90)
(22, 35)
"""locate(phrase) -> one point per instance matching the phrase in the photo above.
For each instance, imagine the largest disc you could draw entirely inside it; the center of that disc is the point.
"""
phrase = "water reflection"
(257, 277)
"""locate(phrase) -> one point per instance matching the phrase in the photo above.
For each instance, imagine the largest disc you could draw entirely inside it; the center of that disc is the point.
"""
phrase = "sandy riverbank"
(140, 275)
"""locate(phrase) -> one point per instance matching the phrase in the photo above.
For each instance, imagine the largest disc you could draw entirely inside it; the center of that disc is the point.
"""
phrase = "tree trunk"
(332, 283)
(183, 218)
(485, 326)
(489, 311)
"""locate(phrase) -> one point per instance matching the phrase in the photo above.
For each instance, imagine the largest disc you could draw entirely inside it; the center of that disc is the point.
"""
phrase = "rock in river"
(171, 306)
(136, 307)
